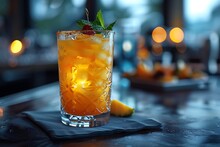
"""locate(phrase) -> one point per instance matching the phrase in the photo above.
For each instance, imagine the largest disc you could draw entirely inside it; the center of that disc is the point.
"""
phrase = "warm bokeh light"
(1, 112)
(176, 35)
(143, 53)
(159, 34)
(16, 47)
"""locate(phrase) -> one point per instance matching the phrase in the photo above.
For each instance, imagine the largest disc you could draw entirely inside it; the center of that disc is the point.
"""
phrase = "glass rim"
(83, 31)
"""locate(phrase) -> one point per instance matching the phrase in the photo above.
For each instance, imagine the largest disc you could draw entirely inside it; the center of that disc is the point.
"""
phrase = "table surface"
(189, 117)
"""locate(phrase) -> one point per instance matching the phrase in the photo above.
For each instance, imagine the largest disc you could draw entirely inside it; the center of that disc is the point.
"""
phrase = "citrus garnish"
(120, 109)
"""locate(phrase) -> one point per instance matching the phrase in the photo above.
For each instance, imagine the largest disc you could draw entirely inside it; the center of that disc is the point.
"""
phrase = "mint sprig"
(99, 17)
(110, 26)
(83, 22)
(97, 24)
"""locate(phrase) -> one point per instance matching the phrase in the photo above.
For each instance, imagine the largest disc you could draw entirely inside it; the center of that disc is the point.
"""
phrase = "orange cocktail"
(85, 71)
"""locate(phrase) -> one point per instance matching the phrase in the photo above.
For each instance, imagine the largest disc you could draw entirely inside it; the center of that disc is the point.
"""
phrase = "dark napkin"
(41, 125)
(50, 123)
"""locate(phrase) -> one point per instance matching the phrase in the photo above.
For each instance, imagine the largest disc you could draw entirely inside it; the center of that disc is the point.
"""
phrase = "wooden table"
(189, 118)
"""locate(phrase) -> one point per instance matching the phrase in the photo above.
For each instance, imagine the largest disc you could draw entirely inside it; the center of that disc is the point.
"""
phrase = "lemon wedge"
(120, 109)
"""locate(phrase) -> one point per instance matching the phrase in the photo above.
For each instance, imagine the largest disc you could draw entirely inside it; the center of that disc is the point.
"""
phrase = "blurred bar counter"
(24, 77)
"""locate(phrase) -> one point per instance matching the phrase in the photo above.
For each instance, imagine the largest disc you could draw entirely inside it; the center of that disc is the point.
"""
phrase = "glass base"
(84, 121)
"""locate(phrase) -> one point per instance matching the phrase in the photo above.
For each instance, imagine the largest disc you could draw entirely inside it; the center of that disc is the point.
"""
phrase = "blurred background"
(147, 31)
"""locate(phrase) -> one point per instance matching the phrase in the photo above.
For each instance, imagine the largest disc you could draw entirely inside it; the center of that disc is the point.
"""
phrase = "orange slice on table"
(120, 109)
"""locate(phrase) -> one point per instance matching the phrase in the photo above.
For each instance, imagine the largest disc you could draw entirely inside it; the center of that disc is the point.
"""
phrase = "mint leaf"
(99, 21)
(96, 22)
(97, 27)
(110, 26)
(100, 18)
(83, 22)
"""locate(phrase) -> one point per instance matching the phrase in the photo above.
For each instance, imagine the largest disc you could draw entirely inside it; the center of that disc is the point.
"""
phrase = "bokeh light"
(143, 53)
(127, 46)
(159, 34)
(16, 47)
(176, 35)
(1, 112)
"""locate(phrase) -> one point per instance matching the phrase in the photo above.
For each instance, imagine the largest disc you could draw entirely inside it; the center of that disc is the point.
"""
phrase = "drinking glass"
(85, 61)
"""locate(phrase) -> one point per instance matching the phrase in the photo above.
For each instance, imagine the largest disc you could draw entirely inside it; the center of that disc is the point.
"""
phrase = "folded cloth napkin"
(50, 123)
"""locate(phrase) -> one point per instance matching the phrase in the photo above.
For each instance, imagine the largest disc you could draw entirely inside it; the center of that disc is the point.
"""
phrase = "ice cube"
(96, 39)
(106, 46)
(82, 60)
(102, 56)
